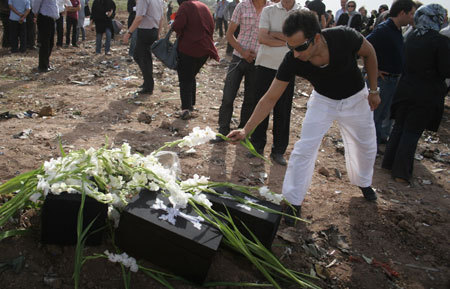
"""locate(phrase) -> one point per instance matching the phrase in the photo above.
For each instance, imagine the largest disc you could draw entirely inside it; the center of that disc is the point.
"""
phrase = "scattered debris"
(45, 111)
(323, 171)
(144, 117)
(23, 134)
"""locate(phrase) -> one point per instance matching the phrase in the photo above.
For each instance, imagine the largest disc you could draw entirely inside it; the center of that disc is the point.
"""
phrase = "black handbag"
(87, 11)
(166, 51)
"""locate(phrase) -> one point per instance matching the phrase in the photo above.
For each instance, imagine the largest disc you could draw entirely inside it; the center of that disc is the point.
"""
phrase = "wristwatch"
(374, 91)
(129, 32)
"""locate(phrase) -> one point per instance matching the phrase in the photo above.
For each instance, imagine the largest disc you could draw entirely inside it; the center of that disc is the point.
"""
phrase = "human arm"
(367, 52)
(13, 9)
(323, 22)
(137, 21)
(266, 37)
(261, 111)
(248, 55)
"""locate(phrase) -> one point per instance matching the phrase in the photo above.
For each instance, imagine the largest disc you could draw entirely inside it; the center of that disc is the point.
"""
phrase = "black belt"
(392, 75)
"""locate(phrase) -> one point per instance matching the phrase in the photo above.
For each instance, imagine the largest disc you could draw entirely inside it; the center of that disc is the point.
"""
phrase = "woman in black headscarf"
(418, 102)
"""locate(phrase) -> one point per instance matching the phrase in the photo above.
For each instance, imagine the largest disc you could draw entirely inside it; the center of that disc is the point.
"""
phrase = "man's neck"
(259, 3)
(397, 23)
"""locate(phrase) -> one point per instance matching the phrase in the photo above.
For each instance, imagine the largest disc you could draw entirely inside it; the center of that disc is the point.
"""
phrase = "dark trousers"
(71, 25)
(237, 69)
(18, 32)
(187, 69)
(219, 23)
(143, 55)
(5, 22)
(281, 113)
(230, 48)
(60, 30)
(46, 27)
(401, 148)
(31, 31)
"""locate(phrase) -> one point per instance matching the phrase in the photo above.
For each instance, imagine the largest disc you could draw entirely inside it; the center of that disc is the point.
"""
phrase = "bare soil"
(401, 241)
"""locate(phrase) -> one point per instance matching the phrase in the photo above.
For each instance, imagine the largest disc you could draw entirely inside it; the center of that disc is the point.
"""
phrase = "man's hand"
(374, 100)
(248, 55)
(125, 38)
(237, 135)
(382, 74)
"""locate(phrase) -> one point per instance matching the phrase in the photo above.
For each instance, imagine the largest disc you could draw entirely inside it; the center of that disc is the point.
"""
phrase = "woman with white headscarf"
(418, 102)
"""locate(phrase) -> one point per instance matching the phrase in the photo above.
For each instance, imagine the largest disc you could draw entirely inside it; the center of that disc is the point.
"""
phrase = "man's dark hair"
(303, 20)
(401, 5)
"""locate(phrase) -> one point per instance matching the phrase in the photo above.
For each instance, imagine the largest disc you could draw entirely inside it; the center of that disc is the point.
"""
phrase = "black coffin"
(180, 248)
(60, 216)
(262, 224)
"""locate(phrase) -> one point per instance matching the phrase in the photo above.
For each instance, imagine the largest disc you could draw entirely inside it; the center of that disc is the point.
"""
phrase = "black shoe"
(43, 70)
(289, 221)
(145, 92)
(278, 158)
(369, 193)
(218, 139)
(185, 115)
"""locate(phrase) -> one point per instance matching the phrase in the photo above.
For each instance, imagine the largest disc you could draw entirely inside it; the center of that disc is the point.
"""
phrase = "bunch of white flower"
(270, 196)
(198, 136)
(123, 258)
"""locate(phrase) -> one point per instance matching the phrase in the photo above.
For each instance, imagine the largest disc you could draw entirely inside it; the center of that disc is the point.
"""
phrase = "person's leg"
(14, 35)
(59, 30)
(108, 36)
(249, 93)
(199, 62)
(264, 77)
(5, 22)
(392, 146)
(219, 23)
(282, 120)
(185, 70)
(74, 32)
(46, 31)
(143, 56)
(387, 90)
(68, 27)
(404, 158)
(98, 43)
(303, 157)
(358, 133)
(225, 23)
(232, 82)
(23, 37)
(31, 31)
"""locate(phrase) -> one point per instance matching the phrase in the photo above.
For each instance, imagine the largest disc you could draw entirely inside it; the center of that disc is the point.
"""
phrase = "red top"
(194, 26)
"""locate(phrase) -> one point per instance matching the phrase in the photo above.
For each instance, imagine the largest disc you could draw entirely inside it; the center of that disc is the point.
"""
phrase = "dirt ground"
(401, 241)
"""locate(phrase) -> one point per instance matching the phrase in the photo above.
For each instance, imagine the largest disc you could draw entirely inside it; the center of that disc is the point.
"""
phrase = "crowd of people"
(400, 92)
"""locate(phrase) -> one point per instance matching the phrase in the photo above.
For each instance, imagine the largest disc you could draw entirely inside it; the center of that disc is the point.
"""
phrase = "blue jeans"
(98, 41)
(382, 113)
(238, 69)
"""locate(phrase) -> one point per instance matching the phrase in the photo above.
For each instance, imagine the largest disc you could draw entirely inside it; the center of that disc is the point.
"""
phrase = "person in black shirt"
(327, 59)
(319, 9)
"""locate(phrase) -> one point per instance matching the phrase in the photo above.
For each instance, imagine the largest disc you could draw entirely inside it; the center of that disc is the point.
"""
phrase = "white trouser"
(357, 128)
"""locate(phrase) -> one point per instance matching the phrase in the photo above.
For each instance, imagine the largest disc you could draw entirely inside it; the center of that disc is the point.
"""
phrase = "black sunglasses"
(301, 47)
(353, 6)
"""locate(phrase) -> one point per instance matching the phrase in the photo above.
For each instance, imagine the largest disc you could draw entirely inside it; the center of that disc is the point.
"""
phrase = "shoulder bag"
(166, 51)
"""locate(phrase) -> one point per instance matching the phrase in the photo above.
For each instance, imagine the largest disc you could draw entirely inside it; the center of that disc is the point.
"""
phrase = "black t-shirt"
(317, 6)
(341, 78)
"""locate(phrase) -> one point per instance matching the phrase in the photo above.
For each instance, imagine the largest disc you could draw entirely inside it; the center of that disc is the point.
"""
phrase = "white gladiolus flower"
(43, 185)
(58, 188)
(35, 197)
(114, 215)
(123, 258)
(197, 137)
(268, 195)
(202, 199)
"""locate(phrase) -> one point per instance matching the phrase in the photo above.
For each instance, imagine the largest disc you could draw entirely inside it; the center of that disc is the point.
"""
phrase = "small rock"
(406, 226)
(45, 111)
(323, 171)
(145, 118)
(165, 125)
(338, 173)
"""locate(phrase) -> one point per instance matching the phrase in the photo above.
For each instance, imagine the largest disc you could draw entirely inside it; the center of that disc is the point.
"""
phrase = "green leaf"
(11, 233)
